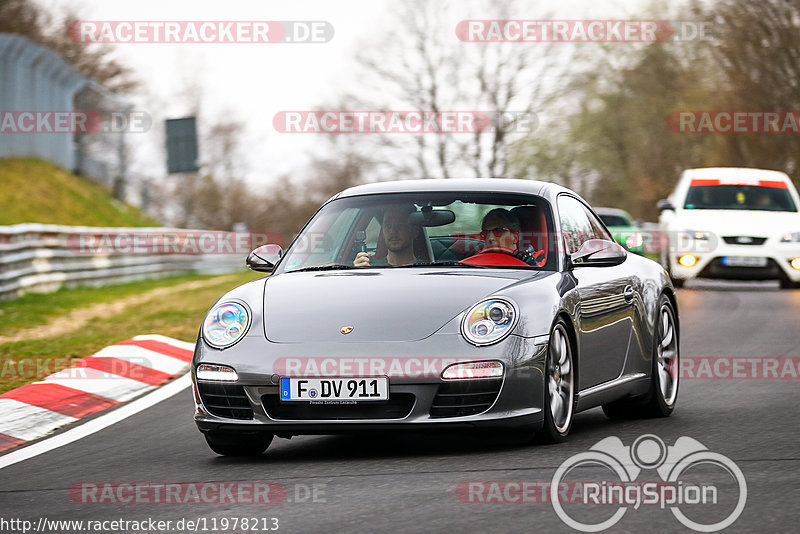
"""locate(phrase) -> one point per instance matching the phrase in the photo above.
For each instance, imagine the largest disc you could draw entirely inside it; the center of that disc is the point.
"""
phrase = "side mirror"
(264, 258)
(598, 253)
(664, 205)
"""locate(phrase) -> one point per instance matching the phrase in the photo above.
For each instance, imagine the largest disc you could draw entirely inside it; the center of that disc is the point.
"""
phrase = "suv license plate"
(744, 261)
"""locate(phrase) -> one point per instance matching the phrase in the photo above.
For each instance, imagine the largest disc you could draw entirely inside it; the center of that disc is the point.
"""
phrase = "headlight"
(470, 370)
(696, 234)
(489, 321)
(223, 373)
(791, 237)
(225, 324)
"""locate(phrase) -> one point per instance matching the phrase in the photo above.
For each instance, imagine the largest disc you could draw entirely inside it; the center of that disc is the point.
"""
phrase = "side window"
(578, 224)
(599, 231)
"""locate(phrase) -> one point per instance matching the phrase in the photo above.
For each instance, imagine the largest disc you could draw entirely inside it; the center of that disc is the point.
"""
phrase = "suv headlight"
(791, 237)
(226, 323)
(489, 321)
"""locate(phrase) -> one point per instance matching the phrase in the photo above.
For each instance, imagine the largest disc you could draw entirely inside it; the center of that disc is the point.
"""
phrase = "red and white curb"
(112, 376)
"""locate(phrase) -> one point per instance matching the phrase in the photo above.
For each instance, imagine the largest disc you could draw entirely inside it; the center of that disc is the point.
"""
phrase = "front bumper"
(424, 402)
(710, 263)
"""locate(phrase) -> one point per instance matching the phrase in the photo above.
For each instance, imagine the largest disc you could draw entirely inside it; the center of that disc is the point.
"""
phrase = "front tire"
(238, 445)
(559, 386)
(663, 393)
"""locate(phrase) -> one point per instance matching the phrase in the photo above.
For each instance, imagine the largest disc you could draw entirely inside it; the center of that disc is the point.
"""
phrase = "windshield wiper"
(441, 264)
(329, 267)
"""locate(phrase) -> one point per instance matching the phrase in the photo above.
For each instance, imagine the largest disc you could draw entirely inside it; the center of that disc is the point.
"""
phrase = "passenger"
(763, 200)
(399, 237)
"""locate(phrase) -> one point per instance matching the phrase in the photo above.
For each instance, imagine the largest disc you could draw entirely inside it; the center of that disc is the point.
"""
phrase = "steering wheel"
(496, 250)
(495, 256)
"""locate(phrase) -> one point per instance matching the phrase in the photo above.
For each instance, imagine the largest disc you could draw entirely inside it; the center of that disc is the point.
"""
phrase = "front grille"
(398, 406)
(744, 240)
(225, 400)
(716, 269)
(465, 397)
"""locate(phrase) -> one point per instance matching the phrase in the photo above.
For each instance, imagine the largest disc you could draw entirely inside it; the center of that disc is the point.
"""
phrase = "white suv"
(733, 223)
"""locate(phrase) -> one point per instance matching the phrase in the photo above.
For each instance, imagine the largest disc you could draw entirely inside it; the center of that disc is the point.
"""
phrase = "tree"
(757, 52)
(431, 70)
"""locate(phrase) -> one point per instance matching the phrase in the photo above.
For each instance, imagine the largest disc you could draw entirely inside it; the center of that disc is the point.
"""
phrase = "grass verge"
(37, 191)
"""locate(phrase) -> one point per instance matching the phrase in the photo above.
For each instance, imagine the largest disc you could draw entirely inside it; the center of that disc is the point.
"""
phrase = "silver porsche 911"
(438, 304)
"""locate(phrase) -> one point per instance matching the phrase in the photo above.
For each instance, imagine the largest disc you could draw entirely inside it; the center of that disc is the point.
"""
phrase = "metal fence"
(44, 257)
(34, 78)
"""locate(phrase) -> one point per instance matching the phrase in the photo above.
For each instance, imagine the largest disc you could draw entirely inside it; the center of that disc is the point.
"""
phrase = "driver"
(500, 230)
(399, 237)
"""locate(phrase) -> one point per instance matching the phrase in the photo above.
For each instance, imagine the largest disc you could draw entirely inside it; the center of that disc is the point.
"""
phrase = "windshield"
(424, 229)
(739, 197)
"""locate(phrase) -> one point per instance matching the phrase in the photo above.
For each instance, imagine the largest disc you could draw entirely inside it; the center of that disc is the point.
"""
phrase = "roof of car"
(735, 173)
(499, 185)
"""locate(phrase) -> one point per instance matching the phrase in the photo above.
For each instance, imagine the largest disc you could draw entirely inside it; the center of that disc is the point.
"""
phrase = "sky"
(252, 82)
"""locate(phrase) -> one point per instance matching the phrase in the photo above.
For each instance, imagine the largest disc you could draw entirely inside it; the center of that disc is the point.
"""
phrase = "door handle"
(628, 293)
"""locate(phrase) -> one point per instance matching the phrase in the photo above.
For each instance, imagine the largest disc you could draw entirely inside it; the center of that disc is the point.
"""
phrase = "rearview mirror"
(264, 258)
(429, 217)
(598, 253)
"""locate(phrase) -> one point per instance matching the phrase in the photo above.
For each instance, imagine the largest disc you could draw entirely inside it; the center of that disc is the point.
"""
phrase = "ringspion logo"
(694, 482)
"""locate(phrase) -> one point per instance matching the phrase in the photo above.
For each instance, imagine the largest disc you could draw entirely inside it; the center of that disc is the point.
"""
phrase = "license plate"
(744, 261)
(335, 389)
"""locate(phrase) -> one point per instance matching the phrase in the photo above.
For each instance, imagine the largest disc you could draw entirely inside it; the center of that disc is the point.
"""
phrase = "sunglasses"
(497, 232)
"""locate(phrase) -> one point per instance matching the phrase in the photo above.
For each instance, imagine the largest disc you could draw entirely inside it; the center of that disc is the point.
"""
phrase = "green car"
(628, 233)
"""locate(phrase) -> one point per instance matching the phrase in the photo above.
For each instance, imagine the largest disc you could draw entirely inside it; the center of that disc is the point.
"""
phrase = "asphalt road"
(410, 483)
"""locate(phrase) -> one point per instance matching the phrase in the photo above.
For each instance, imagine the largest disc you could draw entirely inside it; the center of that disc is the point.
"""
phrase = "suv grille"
(225, 400)
(744, 240)
(398, 406)
(465, 397)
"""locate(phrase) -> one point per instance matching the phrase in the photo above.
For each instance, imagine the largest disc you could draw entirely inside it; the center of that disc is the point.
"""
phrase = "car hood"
(406, 304)
(737, 222)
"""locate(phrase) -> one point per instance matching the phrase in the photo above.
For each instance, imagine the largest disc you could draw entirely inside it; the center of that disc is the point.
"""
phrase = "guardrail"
(44, 257)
